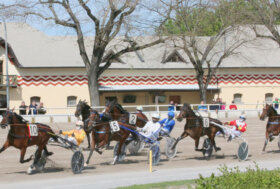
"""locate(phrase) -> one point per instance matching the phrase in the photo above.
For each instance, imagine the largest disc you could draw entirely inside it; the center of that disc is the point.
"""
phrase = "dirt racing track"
(58, 165)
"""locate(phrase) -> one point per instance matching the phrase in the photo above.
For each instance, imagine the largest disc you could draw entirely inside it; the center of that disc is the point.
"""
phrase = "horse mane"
(20, 118)
(273, 110)
(121, 109)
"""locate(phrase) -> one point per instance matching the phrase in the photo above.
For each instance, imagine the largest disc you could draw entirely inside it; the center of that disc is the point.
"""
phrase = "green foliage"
(208, 19)
(163, 185)
(235, 179)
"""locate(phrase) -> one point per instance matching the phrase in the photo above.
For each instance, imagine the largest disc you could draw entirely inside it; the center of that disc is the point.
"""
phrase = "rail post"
(151, 160)
(33, 119)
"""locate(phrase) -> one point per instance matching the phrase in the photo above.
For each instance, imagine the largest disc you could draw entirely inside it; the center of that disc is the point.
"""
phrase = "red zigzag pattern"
(80, 80)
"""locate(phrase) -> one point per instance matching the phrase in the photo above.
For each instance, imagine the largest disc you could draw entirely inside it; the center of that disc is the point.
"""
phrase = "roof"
(34, 49)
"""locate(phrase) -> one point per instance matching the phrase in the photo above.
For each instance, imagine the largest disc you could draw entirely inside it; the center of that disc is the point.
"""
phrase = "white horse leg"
(115, 160)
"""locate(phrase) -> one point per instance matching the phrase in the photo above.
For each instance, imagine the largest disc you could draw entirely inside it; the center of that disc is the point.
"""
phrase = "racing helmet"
(80, 123)
(156, 115)
(140, 108)
(242, 117)
(171, 114)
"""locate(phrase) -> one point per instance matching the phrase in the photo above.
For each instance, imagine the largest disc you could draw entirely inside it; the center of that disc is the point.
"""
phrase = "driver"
(139, 109)
(76, 135)
(239, 127)
(152, 128)
(167, 123)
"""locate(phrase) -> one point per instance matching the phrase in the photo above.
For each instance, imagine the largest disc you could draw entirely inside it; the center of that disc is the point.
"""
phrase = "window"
(110, 99)
(237, 98)
(174, 57)
(37, 99)
(71, 101)
(129, 99)
(268, 98)
(161, 99)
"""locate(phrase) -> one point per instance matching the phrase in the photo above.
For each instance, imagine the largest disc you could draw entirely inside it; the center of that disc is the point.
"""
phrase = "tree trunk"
(93, 89)
(202, 90)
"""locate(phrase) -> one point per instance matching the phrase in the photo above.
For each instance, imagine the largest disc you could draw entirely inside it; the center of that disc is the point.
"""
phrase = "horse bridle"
(8, 121)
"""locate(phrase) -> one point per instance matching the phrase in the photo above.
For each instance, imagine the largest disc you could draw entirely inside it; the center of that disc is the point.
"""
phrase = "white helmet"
(80, 123)
(140, 108)
(156, 115)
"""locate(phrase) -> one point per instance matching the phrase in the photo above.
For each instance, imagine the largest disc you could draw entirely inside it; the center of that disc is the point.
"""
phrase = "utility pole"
(7, 63)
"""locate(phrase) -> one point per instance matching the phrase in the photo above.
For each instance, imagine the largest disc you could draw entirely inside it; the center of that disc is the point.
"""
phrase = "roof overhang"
(154, 88)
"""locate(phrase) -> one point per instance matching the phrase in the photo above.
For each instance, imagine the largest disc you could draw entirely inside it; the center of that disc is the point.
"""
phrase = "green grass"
(230, 178)
(161, 185)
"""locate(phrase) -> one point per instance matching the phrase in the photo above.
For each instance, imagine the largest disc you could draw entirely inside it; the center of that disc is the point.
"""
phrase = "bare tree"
(105, 19)
(266, 13)
(206, 31)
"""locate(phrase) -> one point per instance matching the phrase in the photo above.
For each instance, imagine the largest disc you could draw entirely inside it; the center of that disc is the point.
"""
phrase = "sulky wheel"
(123, 151)
(243, 151)
(77, 162)
(135, 146)
(155, 154)
(170, 153)
(207, 148)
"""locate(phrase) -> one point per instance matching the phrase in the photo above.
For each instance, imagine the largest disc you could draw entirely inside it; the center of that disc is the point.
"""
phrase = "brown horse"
(19, 137)
(113, 111)
(273, 123)
(84, 109)
(101, 135)
(194, 127)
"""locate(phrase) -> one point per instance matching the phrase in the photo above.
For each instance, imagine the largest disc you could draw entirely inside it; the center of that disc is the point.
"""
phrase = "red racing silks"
(29, 136)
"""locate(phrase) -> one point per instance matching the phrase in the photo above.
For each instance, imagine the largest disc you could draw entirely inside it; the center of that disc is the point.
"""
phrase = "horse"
(194, 127)
(84, 109)
(273, 123)
(112, 111)
(19, 137)
(115, 111)
(101, 135)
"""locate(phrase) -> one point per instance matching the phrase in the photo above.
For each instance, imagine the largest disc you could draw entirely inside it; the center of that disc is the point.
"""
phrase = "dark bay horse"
(194, 127)
(19, 137)
(101, 135)
(113, 111)
(273, 123)
(84, 109)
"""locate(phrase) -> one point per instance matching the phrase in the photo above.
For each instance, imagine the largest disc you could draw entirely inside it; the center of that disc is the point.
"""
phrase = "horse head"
(184, 112)
(82, 107)
(268, 111)
(7, 119)
(93, 119)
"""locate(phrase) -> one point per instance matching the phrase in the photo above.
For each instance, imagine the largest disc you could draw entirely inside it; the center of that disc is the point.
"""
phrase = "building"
(50, 69)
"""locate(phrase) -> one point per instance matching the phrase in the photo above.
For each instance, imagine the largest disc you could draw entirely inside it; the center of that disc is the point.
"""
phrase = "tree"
(205, 30)
(267, 13)
(105, 19)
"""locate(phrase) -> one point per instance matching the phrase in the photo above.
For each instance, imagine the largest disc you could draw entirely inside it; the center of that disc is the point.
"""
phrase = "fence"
(66, 115)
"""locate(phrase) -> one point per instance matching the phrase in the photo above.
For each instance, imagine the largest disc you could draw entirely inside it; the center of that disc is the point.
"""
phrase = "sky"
(52, 29)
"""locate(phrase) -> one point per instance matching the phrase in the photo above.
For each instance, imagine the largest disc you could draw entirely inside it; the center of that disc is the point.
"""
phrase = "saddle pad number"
(206, 122)
(114, 125)
(33, 130)
(132, 119)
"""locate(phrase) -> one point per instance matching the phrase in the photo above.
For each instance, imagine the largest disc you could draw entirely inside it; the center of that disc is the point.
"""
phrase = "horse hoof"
(113, 163)
(85, 164)
(49, 153)
(29, 171)
(218, 149)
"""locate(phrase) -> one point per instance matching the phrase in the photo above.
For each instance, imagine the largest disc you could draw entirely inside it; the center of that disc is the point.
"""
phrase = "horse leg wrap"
(271, 137)
(115, 160)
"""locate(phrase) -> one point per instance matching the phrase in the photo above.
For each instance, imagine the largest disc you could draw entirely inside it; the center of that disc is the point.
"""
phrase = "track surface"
(187, 163)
